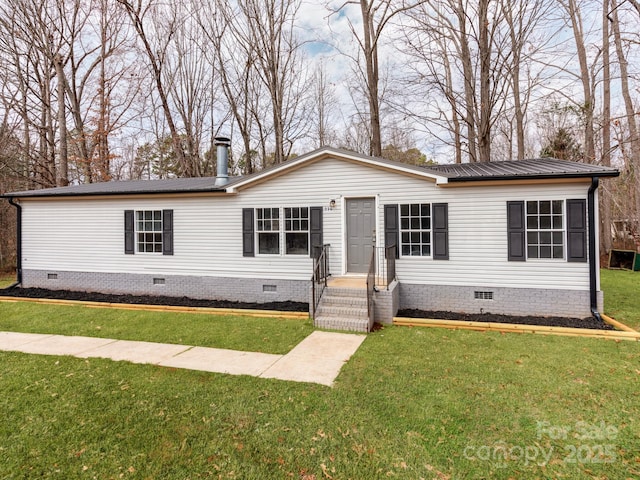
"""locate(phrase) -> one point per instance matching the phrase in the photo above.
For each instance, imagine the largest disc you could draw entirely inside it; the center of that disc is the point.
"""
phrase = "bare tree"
(464, 52)
(586, 75)
(375, 17)
(234, 62)
(324, 104)
(146, 17)
(270, 31)
(605, 201)
(633, 159)
(522, 19)
(257, 40)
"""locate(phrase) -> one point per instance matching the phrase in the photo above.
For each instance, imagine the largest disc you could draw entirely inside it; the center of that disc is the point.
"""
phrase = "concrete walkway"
(317, 359)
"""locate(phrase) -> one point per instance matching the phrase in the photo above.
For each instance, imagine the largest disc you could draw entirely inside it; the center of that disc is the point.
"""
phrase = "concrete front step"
(347, 324)
(357, 302)
(343, 311)
(345, 292)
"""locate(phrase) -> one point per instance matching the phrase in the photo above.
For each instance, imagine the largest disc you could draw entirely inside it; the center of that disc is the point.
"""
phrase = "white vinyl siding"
(208, 230)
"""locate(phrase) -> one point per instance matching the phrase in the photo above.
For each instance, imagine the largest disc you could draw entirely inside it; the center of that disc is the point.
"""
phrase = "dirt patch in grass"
(150, 299)
(587, 322)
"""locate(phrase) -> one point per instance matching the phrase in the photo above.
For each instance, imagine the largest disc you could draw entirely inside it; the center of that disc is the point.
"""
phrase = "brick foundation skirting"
(507, 301)
(211, 288)
(499, 300)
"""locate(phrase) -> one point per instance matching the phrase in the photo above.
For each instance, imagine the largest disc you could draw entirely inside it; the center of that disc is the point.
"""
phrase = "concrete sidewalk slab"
(136, 352)
(14, 340)
(219, 360)
(317, 359)
(64, 345)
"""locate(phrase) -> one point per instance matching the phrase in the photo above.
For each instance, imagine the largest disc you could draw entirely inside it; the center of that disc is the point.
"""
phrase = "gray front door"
(360, 233)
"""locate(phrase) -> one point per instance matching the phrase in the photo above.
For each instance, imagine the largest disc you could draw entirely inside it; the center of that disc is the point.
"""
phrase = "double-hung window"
(268, 230)
(281, 231)
(290, 236)
(415, 229)
(149, 231)
(545, 229)
(296, 230)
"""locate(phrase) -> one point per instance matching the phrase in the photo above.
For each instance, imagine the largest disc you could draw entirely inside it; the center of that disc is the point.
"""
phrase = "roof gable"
(336, 154)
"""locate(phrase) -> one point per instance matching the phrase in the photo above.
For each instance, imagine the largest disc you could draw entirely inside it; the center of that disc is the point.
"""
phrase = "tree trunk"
(370, 51)
(484, 128)
(634, 140)
(469, 83)
(63, 163)
(156, 67)
(585, 77)
(605, 199)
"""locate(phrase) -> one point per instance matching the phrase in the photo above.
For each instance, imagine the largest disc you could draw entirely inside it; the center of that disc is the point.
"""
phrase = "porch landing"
(348, 281)
(353, 281)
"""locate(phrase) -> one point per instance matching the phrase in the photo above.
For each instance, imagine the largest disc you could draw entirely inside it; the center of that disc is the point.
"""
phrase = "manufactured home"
(356, 237)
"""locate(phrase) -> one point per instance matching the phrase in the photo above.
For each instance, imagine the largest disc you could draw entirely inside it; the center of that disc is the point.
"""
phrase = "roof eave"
(112, 194)
(533, 177)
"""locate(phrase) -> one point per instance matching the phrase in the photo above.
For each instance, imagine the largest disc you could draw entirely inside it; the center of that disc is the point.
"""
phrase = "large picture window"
(268, 230)
(415, 229)
(545, 229)
(149, 231)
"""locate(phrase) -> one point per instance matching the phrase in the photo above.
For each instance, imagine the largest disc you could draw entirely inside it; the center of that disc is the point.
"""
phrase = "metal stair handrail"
(319, 277)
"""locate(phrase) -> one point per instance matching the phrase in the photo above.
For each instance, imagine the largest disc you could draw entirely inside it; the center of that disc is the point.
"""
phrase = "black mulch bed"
(150, 299)
(587, 322)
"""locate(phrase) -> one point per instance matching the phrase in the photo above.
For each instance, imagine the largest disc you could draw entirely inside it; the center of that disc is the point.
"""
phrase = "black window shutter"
(248, 240)
(315, 231)
(391, 230)
(440, 213)
(576, 230)
(516, 231)
(129, 232)
(167, 232)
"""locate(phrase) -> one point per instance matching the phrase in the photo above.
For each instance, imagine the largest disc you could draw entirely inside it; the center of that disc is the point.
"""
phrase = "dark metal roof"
(541, 168)
(132, 187)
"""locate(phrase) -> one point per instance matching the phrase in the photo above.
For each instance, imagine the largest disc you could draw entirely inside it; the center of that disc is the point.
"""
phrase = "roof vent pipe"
(222, 155)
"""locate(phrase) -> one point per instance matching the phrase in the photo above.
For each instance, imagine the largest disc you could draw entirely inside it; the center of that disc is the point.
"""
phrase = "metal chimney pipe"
(222, 155)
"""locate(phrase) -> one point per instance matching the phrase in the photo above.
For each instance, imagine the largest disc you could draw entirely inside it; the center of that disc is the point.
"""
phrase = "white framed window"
(282, 230)
(296, 230)
(268, 230)
(415, 230)
(545, 229)
(149, 231)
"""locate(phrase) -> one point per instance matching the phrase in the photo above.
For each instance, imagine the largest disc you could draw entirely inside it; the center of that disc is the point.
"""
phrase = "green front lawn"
(622, 296)
(268, 335)
(412, 403)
